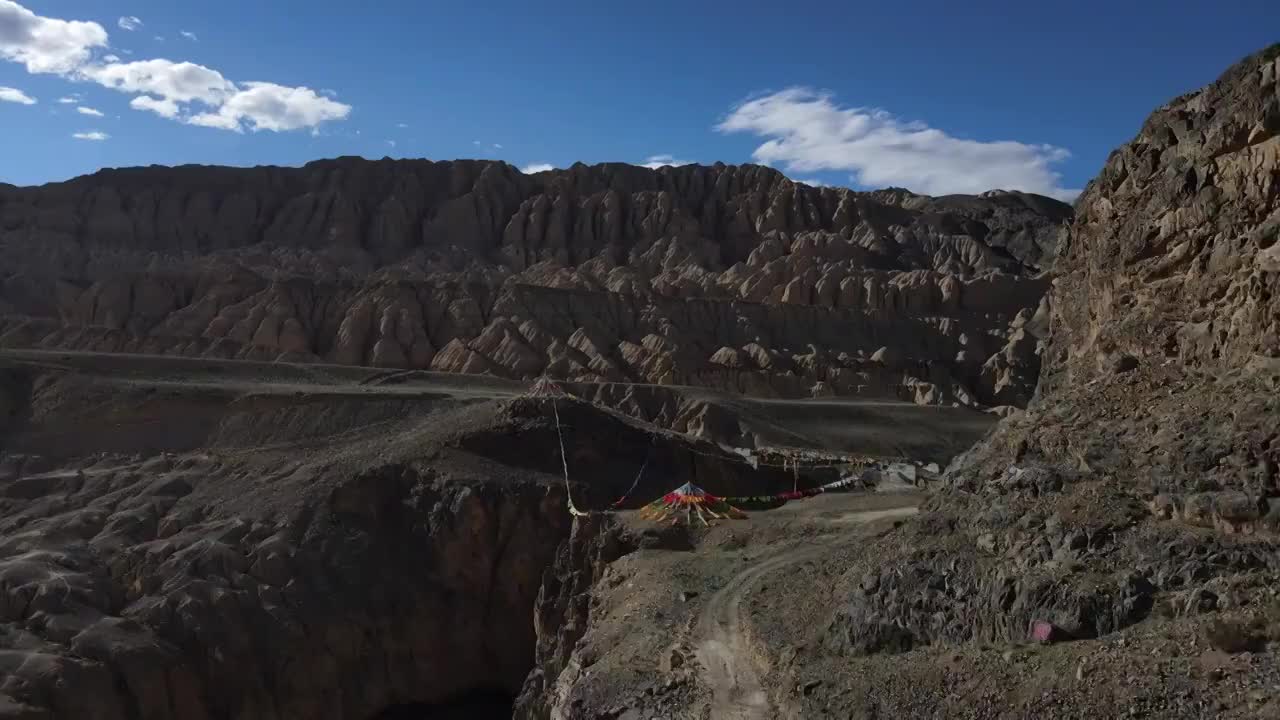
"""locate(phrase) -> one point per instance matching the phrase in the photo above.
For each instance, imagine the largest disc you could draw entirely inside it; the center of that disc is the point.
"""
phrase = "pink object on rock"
(1046, 632)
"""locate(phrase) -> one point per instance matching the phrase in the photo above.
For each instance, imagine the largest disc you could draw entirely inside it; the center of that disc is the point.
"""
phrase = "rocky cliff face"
(563, 610)
(722, 276)
(1143, 479)
(130, 592)
(1165, 348)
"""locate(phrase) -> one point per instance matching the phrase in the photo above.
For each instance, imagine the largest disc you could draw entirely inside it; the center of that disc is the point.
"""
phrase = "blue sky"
(934, 96)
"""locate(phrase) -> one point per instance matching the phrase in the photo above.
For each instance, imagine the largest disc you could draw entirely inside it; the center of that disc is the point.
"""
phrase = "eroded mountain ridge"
(732, 277)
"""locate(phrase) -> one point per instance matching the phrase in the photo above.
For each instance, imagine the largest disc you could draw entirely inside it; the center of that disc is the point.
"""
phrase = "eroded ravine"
(316, 550)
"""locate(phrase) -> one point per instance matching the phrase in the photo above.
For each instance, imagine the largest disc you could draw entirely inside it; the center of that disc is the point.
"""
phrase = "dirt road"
(731, 670)
(875, 426)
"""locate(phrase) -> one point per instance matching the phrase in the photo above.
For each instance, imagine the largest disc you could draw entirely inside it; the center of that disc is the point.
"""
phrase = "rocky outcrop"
(175, 551)
(15, 397)
(1166, 309)
(1143, 477)
(601, 273)
(128, 596)
(563, 610)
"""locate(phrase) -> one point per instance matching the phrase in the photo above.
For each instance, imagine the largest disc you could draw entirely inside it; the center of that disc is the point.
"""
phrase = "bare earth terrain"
(137, 487)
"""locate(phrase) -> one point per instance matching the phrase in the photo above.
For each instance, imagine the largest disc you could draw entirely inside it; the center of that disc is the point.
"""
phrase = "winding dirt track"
(729, 667)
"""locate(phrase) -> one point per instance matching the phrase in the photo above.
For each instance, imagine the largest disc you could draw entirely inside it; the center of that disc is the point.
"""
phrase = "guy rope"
(636, 482)
(546, 388)
(564, 461)
(688, 500)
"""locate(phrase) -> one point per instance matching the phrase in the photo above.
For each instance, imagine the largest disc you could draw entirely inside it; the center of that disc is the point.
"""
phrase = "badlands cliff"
(734, 278)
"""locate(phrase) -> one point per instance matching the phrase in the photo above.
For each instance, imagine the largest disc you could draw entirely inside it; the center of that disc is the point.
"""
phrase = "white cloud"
(161, 106)
(215, 120)
(812, 182)
(392, 143)
(267, 106)
(496, 146)
(159, 38)
(14, 95)
(402, 125)
(182, 91)
(475, 142)
(46, 45)
(89, 111)
(806, 131)
(189, 35)
(653, 162)
(71, 99)
(536, 168)
(253, 105)
(330, 93)
(90, 135)
(177, 81)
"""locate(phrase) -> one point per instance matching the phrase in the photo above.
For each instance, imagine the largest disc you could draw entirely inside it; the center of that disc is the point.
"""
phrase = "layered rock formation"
(1143, 480)
(723, 276)
(334, 556)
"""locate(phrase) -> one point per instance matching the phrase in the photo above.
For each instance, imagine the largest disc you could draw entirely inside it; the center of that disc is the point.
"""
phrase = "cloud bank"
(178, 90)
(805, 131)
(46, 45)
